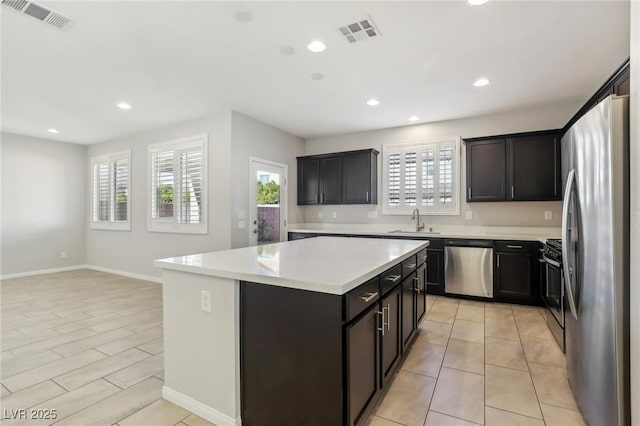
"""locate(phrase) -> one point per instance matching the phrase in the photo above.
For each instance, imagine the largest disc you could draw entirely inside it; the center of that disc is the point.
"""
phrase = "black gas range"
(553, 288)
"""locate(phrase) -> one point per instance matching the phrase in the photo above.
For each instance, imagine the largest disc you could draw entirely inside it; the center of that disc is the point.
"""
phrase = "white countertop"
(332, 265)
(519, 233)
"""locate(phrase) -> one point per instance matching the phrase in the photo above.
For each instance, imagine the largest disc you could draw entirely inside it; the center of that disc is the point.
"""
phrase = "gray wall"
(252, 138)
(43, 203)
(635, 212)
(134, 251)
(498, 214)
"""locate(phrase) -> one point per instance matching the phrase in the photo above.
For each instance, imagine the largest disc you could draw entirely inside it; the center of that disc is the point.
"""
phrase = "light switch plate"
(319, 215)
(469, 214)
(548, 215)
(241, 224)
(373, 214)
(334, 214)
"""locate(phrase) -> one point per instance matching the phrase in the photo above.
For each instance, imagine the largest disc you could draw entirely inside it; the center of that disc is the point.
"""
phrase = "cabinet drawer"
(391, 278)
(422, 256)
(514, 246)
(362, 297)
(409, 265)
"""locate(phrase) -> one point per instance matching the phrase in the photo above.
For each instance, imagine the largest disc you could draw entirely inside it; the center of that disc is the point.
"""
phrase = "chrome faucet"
(416, 215)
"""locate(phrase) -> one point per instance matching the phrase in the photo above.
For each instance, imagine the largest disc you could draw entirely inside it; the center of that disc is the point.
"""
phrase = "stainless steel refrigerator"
(595, 245)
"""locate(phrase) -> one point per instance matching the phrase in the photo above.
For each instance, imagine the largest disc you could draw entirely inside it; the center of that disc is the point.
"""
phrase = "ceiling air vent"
(360, 30)
(39, 12)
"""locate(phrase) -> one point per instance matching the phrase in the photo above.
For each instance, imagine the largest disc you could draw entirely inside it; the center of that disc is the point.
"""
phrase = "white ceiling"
(174, 61)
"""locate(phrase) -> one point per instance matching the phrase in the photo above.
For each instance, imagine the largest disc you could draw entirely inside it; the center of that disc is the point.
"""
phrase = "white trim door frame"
(257, 165)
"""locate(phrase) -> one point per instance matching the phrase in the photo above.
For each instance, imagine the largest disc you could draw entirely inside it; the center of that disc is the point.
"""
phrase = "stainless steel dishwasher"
(468, 266)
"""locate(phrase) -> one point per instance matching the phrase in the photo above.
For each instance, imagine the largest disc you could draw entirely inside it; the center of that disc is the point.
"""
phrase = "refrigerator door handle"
(568, 269)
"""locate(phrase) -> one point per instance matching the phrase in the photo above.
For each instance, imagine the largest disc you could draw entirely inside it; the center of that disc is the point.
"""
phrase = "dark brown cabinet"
(435, 267)
(408, 309)
(362, 363)
(339, 178)
(391, 346)
(359, 178)
(486, 170)
(420, 289)
(534, 167)
(515, 277)
(308, 181)
(331, 180)
(517, 167)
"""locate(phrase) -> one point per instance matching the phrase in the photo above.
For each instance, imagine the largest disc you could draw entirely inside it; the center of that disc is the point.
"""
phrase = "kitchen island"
(305, 332)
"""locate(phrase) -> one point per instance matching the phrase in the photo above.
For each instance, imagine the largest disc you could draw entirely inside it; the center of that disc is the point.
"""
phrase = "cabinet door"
(486, 170)
(308, 181)
(331, 180)
(514, 277)
(534, 168)
(435, 275)
(391, 344)
(362, 363)
(408, 309)
(358, 181)
(421, 302)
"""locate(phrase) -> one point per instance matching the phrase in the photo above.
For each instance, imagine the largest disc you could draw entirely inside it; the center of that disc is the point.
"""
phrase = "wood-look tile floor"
(480, 363)
(87, 344)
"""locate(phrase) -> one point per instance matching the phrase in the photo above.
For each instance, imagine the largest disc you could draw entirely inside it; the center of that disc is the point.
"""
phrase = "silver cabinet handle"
(469, 192)
(370, 296)
(411, 265)
(513, 192)
(514, 247)
(381, 328)
(542, 261)
(322, 197)
(498, 258)
(367, 196)
(392, 278)
(417, 287)
(388, 316)
(317, 200)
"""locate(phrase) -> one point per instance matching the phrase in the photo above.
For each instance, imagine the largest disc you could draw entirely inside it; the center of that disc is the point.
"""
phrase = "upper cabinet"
(338, 178)
(517, 167)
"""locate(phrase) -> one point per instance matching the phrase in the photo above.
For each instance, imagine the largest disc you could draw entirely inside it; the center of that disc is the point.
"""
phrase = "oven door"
(554, 292)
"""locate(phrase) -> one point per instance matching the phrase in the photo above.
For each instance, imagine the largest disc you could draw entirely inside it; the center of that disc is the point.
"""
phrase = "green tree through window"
(268, 193)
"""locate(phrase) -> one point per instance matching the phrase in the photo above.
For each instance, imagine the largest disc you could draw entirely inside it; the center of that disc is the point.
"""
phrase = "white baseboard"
(42, 271)
(199, 408)
(75, 267)
(125, 273)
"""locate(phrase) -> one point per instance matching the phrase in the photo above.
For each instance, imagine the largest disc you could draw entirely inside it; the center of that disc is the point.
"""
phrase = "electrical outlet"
(548, 215)
(63, 255)
(205, 301)
(319, 215)
(373, 214)
(241, 224)
(469, 214)
(334, 214)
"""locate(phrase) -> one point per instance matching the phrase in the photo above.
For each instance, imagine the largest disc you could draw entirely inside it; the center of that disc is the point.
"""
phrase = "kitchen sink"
(400, 231)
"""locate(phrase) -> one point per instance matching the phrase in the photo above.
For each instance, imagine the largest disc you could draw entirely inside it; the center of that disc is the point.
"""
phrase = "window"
(422, 175)
(178, 186)
(110, 183)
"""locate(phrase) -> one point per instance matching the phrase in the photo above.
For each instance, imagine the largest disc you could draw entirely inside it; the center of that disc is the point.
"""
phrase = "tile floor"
(480, 363)
(89, 344)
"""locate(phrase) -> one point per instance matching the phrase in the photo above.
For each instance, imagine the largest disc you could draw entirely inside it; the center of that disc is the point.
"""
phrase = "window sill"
(200, 229)
(110, 226)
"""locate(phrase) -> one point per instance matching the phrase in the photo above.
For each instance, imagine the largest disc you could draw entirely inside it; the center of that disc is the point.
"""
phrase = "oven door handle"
(551, 262)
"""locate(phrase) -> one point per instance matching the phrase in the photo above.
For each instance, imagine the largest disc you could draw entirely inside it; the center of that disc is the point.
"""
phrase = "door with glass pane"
(268, 202)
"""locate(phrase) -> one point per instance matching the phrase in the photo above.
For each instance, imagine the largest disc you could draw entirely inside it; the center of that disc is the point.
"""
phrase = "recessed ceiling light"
(477, 2)
(53, 131)
(316, 46)
(373, 102)
(317, 76)
(414, 118)
(481, 82)
(124, 105)
(243, 16)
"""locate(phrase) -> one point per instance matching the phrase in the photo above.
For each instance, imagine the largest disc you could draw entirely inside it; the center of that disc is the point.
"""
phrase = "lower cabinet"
(326, 358)
(421, 284)
(408, 309)
(362, 363)
(515, 277)
(391, 345)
